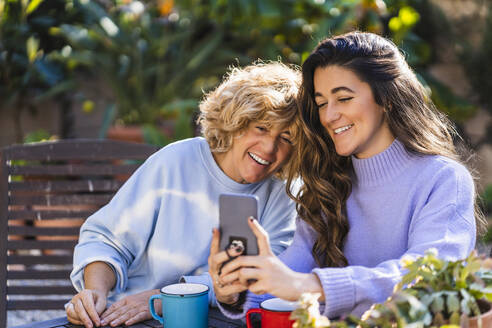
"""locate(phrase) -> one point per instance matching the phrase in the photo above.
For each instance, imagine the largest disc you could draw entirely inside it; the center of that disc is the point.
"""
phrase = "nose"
(269, 144)
(329, 115)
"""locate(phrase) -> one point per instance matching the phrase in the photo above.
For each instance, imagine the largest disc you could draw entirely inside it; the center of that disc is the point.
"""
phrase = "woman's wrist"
(308, 283)
(236, 305)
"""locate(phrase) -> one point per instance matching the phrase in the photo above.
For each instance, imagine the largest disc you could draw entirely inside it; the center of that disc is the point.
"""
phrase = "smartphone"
(234, 211)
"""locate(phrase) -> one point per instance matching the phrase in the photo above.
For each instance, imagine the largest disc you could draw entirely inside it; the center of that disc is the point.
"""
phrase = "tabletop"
(215, 320)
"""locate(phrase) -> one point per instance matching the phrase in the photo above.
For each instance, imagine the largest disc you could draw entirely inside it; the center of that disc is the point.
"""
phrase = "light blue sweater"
(401, 204)
(158, 226)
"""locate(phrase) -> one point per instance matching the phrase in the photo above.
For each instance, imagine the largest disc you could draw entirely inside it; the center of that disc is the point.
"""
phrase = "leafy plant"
(478, 65)
(31, 62)
(149, 59)
(433, 293)
(158, 57)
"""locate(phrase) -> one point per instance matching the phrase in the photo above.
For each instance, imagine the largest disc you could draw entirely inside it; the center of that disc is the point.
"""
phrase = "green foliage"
(25, 68)
(37, 136)
(159, 56)
(478, 63)
(454, 106)
(32, 68)
(433, 293)
(487, 197)
(415, 26)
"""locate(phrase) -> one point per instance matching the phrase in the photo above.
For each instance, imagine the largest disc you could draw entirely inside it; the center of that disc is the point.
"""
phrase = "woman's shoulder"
(179, 149)
(438, 165)
(445, 176)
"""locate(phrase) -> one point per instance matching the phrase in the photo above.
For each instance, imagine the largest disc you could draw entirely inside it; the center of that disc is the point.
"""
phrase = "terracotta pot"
(134, 132)
(125, 133)
(485, 316)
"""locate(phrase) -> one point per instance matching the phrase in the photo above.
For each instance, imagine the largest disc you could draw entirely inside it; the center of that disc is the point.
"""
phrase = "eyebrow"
(335, 90)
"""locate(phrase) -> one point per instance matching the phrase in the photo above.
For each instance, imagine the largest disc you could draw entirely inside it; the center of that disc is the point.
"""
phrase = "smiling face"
(257, 153)
(349, 113)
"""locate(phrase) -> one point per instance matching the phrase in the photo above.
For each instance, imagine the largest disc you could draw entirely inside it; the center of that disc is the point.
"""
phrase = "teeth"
(259, 159)
(343, 128)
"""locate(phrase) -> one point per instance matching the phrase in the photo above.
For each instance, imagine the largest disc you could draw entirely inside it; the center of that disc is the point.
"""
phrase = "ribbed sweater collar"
(380, 168)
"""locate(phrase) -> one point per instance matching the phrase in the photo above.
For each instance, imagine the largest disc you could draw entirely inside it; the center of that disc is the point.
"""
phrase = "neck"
(221, 160)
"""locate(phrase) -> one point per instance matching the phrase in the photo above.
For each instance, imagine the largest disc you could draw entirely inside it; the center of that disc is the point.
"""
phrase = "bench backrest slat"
(47, 190)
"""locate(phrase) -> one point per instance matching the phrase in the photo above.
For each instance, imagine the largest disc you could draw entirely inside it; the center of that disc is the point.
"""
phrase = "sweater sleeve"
(118, 233)
(278, 219)
(445, 222)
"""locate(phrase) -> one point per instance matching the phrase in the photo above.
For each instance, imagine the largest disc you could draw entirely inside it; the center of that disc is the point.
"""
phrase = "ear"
(387, 108)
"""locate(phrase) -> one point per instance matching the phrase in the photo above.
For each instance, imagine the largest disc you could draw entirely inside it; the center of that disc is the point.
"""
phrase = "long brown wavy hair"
(411, 116)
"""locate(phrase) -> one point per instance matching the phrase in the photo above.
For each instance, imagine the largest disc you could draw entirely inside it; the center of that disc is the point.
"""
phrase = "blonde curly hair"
(263, 92)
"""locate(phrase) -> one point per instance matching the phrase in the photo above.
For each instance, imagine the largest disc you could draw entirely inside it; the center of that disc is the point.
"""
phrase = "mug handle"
(248, 320)
(152, 309)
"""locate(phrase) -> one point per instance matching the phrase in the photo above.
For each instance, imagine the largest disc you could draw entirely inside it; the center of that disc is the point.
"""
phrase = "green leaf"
(199, 58)
(108, 118)
(455, 319)
(153, 136)
(453, 302)
(59, 88)
(183, 126)
(437, 304)
(33, 5)
(32, 46)
(466, 302)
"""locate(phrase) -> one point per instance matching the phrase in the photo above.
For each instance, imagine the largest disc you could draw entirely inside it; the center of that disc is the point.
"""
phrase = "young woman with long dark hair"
(382, 180)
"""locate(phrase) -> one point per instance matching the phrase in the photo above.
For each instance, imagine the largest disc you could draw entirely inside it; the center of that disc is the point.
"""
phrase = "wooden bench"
(47, 190)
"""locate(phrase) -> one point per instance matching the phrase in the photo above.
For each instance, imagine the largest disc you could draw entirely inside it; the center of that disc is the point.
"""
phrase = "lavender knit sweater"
(401, 204)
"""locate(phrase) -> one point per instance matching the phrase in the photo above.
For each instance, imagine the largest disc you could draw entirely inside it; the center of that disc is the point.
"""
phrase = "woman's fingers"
(257, 288)
(261, 236)
(90, 307)
(110, 311)
(129, 310)
(214, 246)
(117, 313)
(72, 315)
(242, 261)
(141, 316)
(242, 276)
(124, 314)
(111, 314)
(82, 314)
(232, 289)
(100, 304)
(218, 258)
(84, 308)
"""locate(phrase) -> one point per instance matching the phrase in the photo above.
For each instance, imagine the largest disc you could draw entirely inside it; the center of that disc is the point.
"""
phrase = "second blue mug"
(183, 306)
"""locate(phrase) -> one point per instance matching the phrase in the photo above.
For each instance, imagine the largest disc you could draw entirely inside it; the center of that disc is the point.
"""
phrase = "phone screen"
(234, 211)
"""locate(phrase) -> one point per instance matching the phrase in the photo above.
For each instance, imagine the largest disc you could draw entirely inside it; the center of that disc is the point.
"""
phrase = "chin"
(344, 153)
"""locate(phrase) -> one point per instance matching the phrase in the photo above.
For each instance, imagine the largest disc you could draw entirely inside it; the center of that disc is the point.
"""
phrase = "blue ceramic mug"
(183, 306)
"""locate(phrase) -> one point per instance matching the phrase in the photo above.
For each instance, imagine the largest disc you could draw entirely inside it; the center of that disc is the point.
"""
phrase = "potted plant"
(433, 293)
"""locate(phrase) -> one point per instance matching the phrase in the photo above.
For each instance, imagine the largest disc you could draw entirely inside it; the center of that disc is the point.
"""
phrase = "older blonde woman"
(158, 226)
